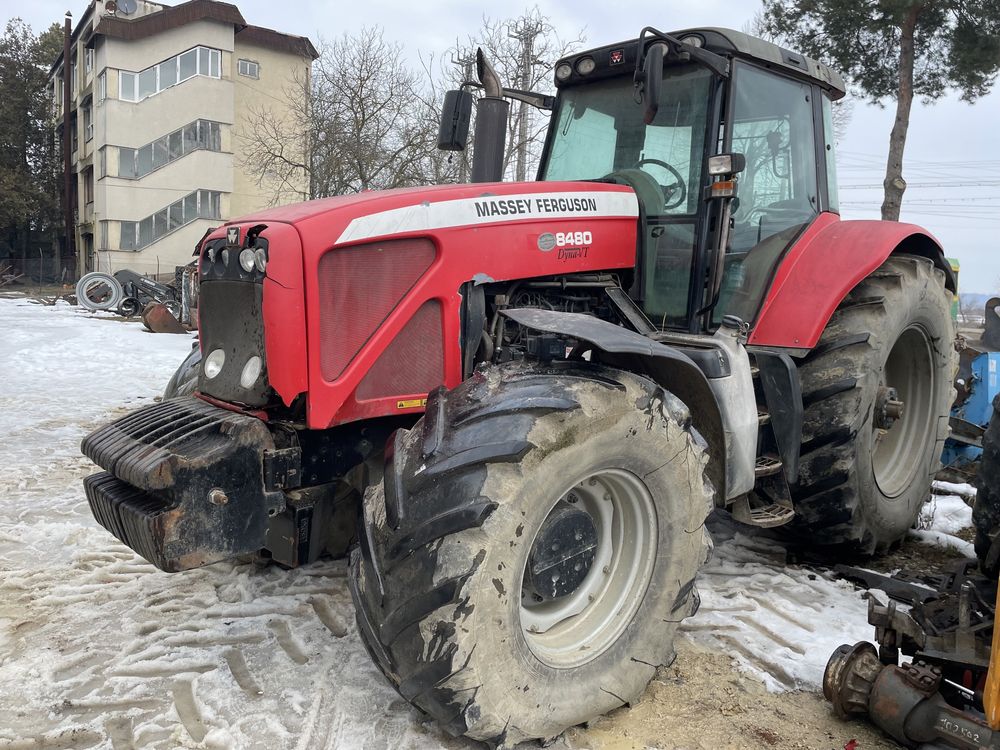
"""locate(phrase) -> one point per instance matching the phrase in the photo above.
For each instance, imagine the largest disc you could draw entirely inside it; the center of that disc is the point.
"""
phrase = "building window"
(200, 204)
(200, 61)
(102, 87)
(88, 185)
(72, 80)
(103, 237)
(248, 68)
(88, 124)
(198, 135)
(88, 61)
(102, 164)
(75, 130)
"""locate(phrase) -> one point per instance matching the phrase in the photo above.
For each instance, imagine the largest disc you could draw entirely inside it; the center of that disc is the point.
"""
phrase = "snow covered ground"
(100, 650)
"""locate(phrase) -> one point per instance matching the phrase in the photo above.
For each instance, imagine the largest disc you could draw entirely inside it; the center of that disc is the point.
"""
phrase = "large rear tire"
(865, 471)
(986, 510)
(450, 581)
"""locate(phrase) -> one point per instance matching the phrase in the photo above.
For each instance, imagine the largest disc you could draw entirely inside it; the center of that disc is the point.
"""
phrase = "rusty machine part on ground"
(944, 694)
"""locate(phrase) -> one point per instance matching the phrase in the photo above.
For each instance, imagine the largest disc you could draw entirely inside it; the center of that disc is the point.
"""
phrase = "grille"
(413, 362)
(359, 287)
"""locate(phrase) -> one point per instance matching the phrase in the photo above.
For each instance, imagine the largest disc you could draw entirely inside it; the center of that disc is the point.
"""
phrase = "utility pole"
(524, 31)
(67, 144)
(466, 60)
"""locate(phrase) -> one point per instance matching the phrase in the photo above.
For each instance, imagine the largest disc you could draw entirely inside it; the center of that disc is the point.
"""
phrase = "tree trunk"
(894, 183)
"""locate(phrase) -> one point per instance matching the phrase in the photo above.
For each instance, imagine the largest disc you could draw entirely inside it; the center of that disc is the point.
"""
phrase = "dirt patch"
(703, 702)
(917, 557)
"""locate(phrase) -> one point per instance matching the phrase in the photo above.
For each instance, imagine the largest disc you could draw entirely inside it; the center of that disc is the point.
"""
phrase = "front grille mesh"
(358, 288)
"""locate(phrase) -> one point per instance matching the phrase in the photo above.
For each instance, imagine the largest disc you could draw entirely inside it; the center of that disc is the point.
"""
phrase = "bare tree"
(367, 122)
(524, 50)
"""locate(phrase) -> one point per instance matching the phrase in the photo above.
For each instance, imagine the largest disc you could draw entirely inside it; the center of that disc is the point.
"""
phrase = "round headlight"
(694, 40)
(246, 259)
(225, 257)
(585, 66)
(260, 257)
(251, 371)
(214, 362)
(211, 254)
(563, 72)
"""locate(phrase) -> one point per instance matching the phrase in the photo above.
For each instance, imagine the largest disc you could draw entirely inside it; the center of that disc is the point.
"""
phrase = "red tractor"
(517, 403)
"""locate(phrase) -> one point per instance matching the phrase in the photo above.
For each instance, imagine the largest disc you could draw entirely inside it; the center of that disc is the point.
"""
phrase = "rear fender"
(667, 366)
(823, 266)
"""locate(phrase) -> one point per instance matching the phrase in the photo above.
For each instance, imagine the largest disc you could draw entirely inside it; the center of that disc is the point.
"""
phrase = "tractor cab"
(662, 115)
(728, 143)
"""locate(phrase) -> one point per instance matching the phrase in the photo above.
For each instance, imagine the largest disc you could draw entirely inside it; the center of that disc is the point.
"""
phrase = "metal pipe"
(67, 143)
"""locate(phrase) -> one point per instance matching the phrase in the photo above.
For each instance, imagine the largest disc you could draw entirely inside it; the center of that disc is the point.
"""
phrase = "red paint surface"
(503, 248)
(823, 266)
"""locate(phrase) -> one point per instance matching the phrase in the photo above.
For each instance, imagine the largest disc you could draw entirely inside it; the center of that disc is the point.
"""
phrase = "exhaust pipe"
(492, 111)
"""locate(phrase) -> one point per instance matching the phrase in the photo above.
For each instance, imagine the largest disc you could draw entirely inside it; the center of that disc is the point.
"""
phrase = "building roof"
(172, 17)
(298, 45)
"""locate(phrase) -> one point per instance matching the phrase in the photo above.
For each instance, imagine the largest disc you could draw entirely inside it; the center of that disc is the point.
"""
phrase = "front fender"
(667, 366)
(823, 266)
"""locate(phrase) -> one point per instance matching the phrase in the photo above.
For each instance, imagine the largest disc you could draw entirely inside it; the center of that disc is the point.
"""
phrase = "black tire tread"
(420, 587)
(833, 375)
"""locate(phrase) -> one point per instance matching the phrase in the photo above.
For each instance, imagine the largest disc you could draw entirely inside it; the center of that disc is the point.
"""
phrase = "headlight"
(214, 362)
(563, 72)
(225, 257)
(585, 66)
(261, 259)
(246, 259)
(251, 371)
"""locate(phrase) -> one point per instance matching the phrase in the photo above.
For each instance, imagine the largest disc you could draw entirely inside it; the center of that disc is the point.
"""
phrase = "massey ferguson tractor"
(514, 404)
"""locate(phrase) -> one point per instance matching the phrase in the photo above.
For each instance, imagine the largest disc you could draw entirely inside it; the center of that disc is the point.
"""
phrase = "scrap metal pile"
(943, 694)
(164, 308)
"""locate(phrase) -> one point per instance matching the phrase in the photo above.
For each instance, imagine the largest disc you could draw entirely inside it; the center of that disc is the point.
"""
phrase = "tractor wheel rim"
(580, 626)
(900, 451)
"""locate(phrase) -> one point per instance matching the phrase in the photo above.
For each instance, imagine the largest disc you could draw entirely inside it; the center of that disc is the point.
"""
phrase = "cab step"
(763, 416)
(763, 516)
(767, 465)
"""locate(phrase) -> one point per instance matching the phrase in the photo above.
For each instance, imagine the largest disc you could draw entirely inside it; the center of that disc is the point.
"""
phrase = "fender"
(667, 366)
(823, 266)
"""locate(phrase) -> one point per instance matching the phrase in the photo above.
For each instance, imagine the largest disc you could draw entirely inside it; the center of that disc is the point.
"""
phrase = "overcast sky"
(952, 162)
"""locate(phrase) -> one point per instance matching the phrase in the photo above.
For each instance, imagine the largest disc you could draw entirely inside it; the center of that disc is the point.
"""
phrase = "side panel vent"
(359, 286)
(413, 362)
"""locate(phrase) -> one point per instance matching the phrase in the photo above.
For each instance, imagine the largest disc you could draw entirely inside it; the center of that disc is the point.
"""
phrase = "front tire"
(449, 598)
(864, 473)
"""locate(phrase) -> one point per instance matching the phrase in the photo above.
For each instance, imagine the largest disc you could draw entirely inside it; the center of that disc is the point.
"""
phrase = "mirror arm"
(715, 63)
(539, 101)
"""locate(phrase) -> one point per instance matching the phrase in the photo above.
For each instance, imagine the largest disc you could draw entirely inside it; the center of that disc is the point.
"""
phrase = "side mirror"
(456, 114)
(653, 81)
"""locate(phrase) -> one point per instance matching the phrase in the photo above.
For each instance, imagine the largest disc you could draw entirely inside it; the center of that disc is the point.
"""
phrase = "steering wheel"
(675, 193)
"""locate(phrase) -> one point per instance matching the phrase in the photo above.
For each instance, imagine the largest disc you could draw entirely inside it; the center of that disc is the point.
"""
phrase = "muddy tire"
(184, 381)
(863, 473)
(446, 576)
(986, 511)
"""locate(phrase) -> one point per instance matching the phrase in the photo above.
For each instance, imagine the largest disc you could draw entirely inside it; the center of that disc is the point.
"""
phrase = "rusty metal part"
(888, 407)
(158, 318)
(849, 676)
(904, 702)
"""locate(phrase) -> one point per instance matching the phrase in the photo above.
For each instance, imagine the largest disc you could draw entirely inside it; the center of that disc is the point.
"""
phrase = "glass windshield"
(599, 130)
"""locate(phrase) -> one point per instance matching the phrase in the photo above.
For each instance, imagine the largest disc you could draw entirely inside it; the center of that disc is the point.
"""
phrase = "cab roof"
(619, 58)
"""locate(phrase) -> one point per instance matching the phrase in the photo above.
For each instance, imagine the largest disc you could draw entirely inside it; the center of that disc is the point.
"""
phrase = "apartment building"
(162, 99)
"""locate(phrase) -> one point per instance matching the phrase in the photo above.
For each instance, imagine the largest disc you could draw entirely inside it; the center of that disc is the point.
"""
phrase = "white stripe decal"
(491, 209)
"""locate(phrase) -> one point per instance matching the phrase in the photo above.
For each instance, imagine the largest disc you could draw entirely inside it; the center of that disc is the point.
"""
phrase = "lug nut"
(217, 497)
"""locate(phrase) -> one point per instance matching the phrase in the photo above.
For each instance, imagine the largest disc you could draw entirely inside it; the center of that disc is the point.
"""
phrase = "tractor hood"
(380, 278)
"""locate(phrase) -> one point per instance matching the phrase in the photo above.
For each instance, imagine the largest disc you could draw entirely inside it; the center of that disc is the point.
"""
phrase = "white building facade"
(159, 98)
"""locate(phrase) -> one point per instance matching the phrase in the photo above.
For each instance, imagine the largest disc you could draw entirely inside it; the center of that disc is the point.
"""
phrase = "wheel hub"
(563, 552)
(888, 408)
